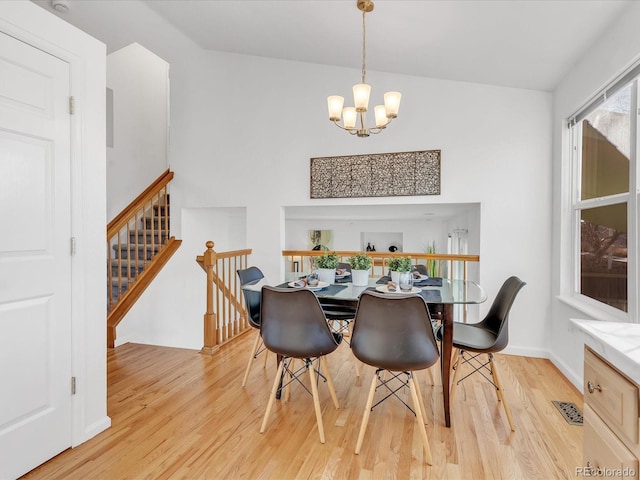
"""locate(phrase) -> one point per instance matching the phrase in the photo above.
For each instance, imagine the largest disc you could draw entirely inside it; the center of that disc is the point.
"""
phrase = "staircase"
(144, 242)
(139, 244)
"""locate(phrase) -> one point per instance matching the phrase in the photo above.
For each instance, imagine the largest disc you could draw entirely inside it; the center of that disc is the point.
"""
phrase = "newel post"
(210, 317)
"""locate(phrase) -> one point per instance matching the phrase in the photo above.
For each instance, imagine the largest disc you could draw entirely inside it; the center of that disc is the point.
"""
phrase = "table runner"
(427, 282)
(330, 290)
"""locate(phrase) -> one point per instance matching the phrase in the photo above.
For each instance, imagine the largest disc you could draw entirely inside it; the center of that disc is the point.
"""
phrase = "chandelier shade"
(353, 118)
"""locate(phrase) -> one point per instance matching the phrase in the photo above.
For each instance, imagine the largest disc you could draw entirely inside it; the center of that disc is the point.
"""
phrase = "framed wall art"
(376, 175)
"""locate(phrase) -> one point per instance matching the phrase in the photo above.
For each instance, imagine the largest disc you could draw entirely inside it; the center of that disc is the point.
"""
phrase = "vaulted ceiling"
(517, 43)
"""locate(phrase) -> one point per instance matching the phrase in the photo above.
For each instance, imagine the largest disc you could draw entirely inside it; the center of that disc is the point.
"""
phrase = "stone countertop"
(618, 343)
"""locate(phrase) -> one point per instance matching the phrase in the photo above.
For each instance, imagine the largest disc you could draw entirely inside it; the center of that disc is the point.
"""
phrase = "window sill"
(594, 312)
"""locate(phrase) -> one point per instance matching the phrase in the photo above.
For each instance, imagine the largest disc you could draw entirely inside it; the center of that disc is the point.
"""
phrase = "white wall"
(244, 128)
(612, 54)
(181, 284)
(87, 63)
(495, 142)
(415, 235)
(140, 83)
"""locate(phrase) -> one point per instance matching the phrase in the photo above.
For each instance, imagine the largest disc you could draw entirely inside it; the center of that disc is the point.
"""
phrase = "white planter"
(395, 277)
(360, 278)
(327, 275)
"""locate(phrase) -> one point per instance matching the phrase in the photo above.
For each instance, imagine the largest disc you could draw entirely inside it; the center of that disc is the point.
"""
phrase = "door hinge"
(72, 105)
(73, 245)
(73, 385)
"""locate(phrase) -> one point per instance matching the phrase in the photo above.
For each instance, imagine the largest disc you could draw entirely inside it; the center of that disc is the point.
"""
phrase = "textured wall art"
(376, 175)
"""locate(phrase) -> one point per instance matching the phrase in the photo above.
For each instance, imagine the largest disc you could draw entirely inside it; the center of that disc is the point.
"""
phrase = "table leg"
(445, 358)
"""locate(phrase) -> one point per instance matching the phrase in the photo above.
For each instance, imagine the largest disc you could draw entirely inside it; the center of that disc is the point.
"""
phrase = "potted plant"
(432, 265)
(327, 265)
(398, 266)
(360, 265)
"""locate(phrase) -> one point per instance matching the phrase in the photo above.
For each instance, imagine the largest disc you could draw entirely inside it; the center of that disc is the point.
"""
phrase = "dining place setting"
(414, 280)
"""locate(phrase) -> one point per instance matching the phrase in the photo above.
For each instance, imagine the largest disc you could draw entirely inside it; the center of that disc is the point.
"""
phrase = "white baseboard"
(526, 351)
(93, 430)
(128, 339)
(567, 372)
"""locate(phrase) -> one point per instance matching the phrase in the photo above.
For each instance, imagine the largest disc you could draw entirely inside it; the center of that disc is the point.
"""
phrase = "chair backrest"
(293, 324)
(497, 319)
(421, 269)
(344, 266)
(394, 332)
(250, 274)
(251, 298)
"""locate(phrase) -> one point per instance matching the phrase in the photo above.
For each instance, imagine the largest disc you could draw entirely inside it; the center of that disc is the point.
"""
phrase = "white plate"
(420, 278)
(320, 286)
(385, 289)
(345, 274)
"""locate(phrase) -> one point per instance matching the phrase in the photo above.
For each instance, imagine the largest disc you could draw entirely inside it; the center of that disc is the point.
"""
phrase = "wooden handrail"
(418, 255)
(225, 317)
(129, 211)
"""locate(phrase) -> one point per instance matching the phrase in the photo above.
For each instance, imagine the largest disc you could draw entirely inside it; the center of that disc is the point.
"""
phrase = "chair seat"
(468, 336)
(337, 310)
(334, 314)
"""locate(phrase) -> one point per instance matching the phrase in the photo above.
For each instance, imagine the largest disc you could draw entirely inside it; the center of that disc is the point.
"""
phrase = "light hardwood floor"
(179, 414)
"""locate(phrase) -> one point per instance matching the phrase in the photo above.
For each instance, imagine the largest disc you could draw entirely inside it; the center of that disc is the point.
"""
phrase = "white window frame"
(587, 304)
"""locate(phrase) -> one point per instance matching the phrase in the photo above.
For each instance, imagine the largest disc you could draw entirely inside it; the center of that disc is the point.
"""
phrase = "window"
(603, 140)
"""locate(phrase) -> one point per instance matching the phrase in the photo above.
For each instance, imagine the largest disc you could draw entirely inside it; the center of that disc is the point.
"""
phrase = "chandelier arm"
(352, 131)
(372, 130)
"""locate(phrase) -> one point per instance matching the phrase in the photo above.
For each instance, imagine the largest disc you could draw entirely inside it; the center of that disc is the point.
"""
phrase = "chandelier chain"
(364, 48)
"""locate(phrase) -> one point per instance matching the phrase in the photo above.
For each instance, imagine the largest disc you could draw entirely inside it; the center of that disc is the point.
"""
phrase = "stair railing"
(226, 315)
(451, 266)
(138, 246)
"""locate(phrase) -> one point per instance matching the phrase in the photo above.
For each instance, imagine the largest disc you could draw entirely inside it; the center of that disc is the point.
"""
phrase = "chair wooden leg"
(500, 392)
(316, 402)
(266, 357)
(420, 420)
(357, 366)
(367, 411)
(459, 357)
(274, 390)
(431, 379)
(325, 370)
(254, 349)
(421, 400)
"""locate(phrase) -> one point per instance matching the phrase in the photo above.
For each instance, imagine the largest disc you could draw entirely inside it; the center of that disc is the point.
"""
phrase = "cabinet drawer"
(611, 395)
(603, 451)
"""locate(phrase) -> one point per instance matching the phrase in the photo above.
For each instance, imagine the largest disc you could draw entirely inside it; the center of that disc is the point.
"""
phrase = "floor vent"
(569, 411)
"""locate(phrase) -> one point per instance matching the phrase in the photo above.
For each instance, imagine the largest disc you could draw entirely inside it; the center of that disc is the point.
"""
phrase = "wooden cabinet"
(611, 419)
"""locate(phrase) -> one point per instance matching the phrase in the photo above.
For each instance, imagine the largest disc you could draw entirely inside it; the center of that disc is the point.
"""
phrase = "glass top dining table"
(439, 291)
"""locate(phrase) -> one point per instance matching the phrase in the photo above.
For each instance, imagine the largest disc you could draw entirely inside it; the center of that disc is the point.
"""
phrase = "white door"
(35, 261)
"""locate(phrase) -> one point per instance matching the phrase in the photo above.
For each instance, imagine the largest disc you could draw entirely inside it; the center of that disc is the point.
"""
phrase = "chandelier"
(356, 115)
